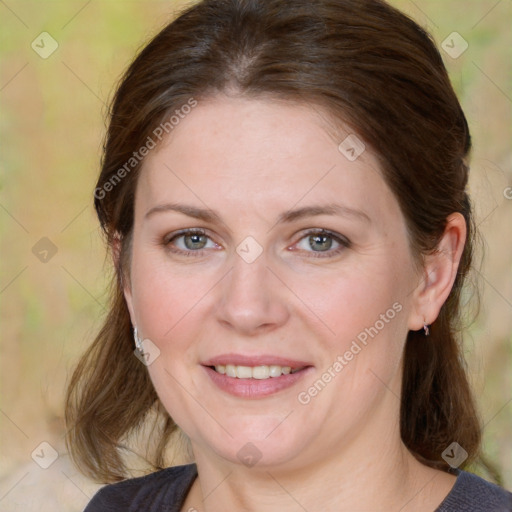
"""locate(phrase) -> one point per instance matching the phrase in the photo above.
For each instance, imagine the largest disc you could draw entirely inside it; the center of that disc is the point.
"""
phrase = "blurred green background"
(52, 304)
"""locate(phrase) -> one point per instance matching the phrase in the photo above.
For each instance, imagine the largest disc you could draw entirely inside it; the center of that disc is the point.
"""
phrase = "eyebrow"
(207, 215)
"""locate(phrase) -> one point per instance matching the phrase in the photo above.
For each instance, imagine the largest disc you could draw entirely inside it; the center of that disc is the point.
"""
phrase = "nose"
(252, 298)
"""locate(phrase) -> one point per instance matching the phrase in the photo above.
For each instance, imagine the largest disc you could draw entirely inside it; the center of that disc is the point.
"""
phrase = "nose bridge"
(250, 295)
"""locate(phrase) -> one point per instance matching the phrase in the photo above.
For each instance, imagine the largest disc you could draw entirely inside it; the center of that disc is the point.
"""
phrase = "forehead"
(261, 154)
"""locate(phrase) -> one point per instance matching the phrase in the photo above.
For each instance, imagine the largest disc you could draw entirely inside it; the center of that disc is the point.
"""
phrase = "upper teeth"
(253, 372)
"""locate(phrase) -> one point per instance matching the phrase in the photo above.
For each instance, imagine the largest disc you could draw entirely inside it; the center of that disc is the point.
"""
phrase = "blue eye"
(321, 241)
(318, 243)
(194, 241)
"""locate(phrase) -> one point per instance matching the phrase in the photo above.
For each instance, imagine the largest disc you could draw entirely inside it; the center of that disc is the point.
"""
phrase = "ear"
(123, 279)
(439, 273)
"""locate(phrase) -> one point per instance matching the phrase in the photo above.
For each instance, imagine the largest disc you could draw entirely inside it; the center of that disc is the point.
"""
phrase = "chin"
(257, 446)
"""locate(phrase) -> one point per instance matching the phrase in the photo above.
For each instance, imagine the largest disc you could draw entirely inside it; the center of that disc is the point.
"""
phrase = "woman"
(283, 191)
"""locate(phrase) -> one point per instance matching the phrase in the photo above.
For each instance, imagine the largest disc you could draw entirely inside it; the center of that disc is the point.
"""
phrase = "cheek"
(169, 311)
(364, 312)
(164, 299)
(349, 302)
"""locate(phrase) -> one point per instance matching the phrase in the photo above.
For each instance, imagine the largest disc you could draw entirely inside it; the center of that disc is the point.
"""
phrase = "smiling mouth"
(260, 372)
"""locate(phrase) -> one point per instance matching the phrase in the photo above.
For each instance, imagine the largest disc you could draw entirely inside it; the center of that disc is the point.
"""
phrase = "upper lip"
(254, 360)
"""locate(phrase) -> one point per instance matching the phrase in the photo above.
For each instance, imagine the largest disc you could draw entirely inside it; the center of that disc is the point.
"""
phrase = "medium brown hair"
(367, 66)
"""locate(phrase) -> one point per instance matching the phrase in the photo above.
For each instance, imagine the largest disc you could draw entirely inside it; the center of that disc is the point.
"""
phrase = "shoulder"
(163, 490)
(474, 494)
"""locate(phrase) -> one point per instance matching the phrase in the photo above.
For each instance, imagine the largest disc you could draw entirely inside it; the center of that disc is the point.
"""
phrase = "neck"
(374, 471)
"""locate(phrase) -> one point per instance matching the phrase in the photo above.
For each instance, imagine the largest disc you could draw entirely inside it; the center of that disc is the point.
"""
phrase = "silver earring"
(426, 328)
(138, 341)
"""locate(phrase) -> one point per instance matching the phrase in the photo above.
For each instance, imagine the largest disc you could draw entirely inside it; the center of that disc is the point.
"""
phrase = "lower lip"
(255, 388)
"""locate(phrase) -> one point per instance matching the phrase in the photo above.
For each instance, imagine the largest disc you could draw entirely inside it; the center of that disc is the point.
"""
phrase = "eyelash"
(344, 242)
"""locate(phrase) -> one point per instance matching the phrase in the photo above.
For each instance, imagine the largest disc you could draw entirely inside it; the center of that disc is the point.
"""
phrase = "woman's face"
(312, 323)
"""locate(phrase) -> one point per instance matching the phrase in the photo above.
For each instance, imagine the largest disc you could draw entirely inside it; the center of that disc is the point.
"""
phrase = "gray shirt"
(166, 490)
